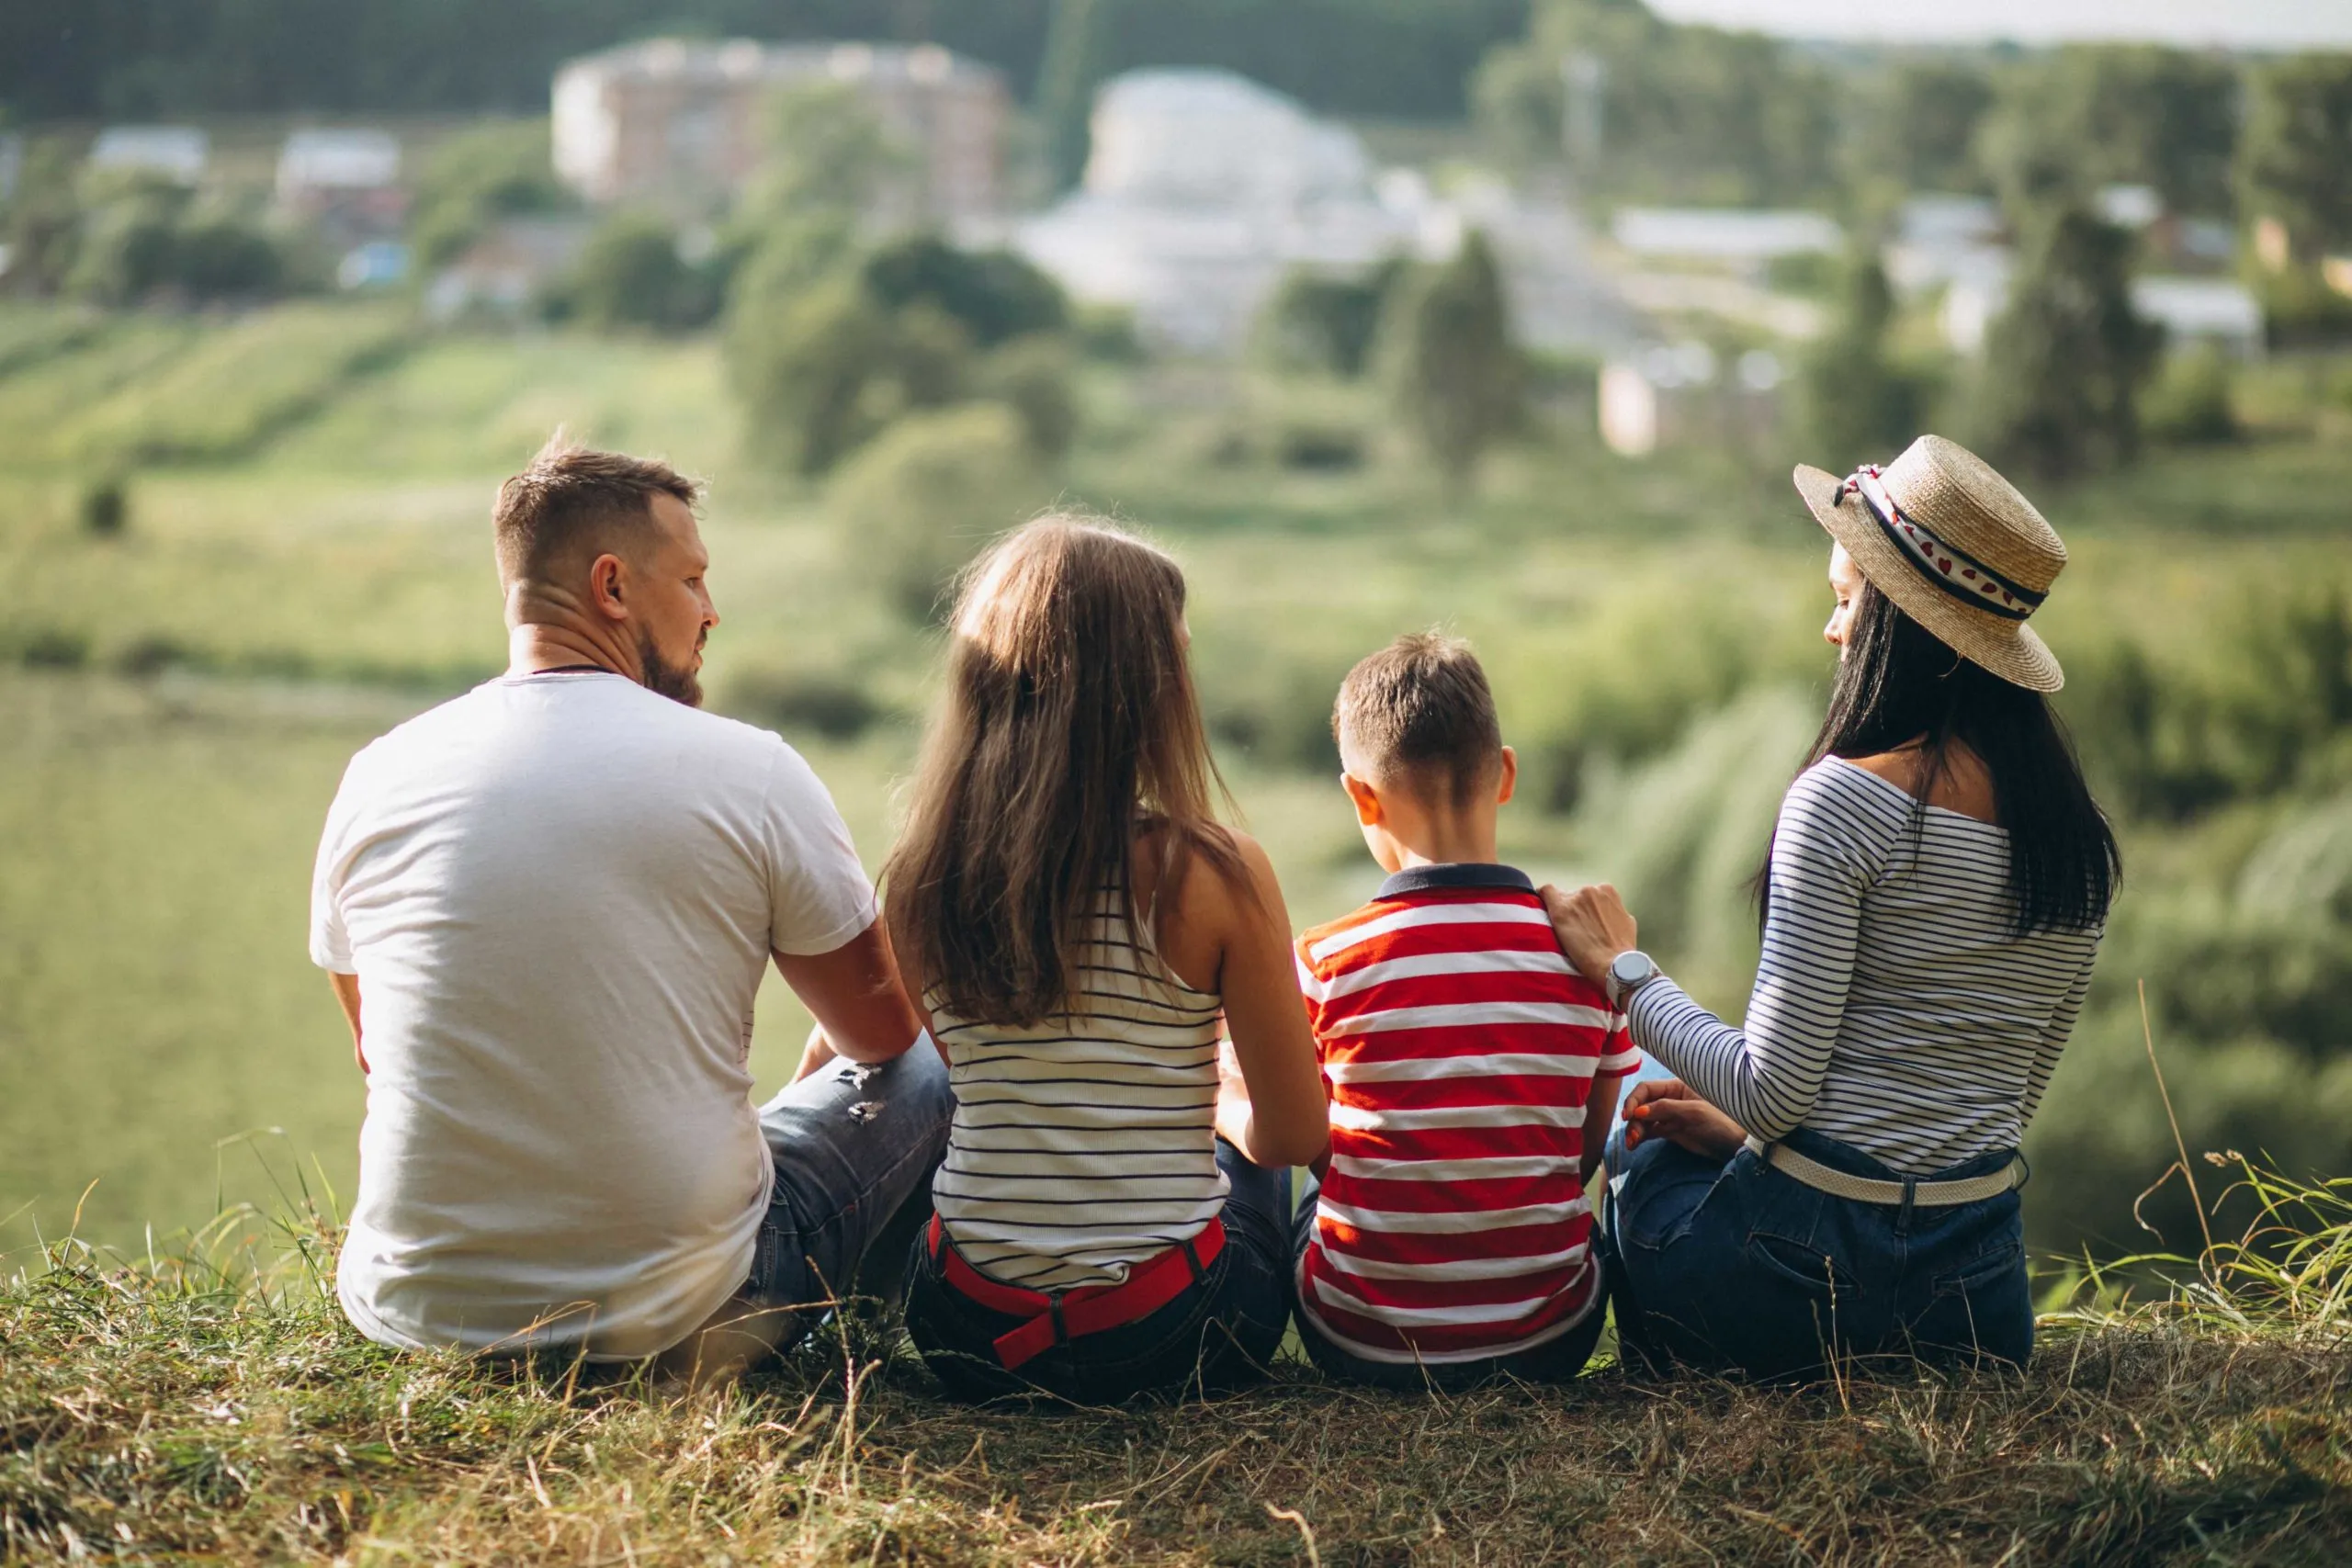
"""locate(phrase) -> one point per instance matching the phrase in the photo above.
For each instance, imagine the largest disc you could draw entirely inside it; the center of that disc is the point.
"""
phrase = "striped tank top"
(1086, 1144)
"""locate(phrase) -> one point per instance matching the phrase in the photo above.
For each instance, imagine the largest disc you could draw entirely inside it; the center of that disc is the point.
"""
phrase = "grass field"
(170, 1412)
(312, 565)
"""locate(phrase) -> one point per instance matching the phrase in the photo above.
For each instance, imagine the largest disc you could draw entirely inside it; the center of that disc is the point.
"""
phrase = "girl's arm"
(1283, 1119)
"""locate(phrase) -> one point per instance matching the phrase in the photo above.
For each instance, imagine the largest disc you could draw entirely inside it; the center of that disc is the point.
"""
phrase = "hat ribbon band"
(1955, 571)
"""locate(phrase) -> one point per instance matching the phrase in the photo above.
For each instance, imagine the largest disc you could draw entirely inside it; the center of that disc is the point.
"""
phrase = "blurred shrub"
(1276, 712)
(921, 500)
(825, 370)
(142, 236)
(42, 227)
(994, 296)
(1854, 402)
(1683, 834)
(52, 648)
(1458, 375)
(2189, 403)
(630, 275)
(476, 178)
(1320, 323)
(1106, 333)
(832, 706)
(1319, 446)
(1033, 375)
(2263, 706)
(105, 507)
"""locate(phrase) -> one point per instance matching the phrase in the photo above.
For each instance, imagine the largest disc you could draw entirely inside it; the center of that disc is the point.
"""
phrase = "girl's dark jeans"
(1221, 1333)
(1738, 1266)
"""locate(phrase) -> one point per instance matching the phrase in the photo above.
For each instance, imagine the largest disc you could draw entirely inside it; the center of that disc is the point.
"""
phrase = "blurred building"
(1204, 188)
(1677, 394)
(502, 273)
(1724, 262)
(347, 183)
(680, 123)
(176, 151)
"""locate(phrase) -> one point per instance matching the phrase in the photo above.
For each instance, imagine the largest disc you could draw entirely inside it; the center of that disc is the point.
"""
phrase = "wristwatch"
(1628, 973)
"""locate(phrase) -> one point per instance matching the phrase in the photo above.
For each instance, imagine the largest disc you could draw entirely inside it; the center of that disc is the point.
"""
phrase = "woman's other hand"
(1672, 1110)
(1592, 926)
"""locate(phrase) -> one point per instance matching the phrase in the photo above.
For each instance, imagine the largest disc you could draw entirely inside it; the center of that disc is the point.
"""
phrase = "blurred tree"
(825, 156)
(2297, 150)
(921, 498)
(1856, 403)
(630, 275)
(995, 294)
(1458, 375)
(2087, 115)
(1916, 121)
(1073, 65)
(1317, 322)
(2063, 363)
(476, 178)
(822, 371)
(1687, 113)
(2189, 403)
(43, 221)
(81, 59)
(130, 224)
(1035, 378)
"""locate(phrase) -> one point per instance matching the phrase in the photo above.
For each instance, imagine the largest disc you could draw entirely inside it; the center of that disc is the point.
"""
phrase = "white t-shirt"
(560, 893)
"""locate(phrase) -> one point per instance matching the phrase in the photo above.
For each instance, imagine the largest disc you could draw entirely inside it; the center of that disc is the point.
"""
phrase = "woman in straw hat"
(1838, 1177)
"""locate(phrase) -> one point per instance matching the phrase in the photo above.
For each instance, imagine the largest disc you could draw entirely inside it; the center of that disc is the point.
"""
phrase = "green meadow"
(305, 561)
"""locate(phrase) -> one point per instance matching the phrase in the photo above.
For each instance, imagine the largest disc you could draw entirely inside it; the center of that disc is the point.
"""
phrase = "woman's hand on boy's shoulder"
(1592, 926)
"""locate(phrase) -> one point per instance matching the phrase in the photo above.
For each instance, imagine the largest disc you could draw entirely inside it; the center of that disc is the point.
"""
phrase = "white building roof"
(2200, 307)
(1726, 234)
(740, 59)
(338, 160)
(178, 151)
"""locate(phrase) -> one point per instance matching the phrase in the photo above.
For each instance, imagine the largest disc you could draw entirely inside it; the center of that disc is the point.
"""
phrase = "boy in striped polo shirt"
(1473, 1072)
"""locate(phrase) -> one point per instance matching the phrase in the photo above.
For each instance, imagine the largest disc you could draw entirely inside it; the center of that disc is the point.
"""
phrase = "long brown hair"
(1069, 724)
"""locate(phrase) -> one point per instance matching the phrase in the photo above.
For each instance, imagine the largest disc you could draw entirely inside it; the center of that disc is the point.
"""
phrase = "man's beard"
(675, 682)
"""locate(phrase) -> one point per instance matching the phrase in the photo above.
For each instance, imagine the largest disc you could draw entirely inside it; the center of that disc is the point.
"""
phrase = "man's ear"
(1508, 787)
(1366, 799)
(607, 586)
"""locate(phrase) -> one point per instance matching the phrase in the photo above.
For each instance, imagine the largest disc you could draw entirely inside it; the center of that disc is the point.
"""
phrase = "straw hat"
(1956, 548)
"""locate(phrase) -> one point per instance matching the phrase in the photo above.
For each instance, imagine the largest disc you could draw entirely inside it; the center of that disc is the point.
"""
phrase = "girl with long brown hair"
(1077, 923)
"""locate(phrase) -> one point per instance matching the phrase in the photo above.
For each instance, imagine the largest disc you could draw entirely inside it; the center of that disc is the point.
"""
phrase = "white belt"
(1863, 1190)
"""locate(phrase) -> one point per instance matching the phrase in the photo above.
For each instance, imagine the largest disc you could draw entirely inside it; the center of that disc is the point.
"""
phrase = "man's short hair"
(574, 504)
(1419, 715)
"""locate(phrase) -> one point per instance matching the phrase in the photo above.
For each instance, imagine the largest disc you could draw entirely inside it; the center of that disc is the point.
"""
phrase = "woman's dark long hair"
(1898, 685)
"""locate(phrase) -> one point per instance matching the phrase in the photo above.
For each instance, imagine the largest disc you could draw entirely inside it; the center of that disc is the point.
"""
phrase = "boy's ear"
(1508, 787)
(1366, 799)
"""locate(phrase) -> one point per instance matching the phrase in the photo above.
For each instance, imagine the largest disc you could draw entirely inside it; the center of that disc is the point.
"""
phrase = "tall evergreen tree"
(1459, 377)
(1066, 81)
(2065, 362)
(1856, 403)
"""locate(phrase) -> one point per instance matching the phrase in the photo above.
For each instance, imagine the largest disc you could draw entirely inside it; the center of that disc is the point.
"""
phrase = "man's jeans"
(855, 1147)
(1739, 1266)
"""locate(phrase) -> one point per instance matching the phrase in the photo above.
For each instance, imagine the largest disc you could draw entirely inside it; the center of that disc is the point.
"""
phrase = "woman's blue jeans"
(1220, 1334)
(1737, 1267)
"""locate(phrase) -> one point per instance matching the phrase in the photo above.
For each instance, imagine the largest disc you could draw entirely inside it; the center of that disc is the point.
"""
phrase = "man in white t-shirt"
(546, 907)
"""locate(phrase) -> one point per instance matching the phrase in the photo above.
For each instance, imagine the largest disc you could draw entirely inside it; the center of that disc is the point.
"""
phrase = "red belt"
(1058, 1317)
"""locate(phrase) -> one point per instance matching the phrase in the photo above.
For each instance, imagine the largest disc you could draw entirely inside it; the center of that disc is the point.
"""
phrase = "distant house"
(684, 123)
(1673, 394)
(177, 152)
(1722, 236)
(345, 182)
(2218, 312)
(1204, 188)
(501, 273)
(1941, 239)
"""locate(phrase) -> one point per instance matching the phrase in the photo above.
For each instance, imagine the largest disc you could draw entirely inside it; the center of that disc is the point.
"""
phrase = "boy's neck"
(1446, 837)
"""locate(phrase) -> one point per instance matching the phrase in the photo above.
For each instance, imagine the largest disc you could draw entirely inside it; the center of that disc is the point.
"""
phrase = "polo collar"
(1437, 878)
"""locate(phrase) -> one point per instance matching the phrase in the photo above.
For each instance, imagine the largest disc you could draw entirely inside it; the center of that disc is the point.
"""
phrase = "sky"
(2245, 24)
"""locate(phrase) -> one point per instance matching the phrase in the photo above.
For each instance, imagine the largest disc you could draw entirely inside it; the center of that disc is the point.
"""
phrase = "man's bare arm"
(346, 991)
(855, 991)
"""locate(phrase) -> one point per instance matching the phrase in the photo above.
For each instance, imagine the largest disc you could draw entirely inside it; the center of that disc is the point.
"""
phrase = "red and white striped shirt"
(1460, 1051)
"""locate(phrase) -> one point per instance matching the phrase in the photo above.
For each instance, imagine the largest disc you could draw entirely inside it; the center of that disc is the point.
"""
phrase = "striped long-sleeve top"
(1895, 1010)
(1462, 1052)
